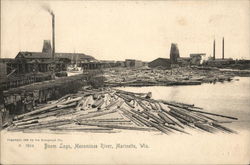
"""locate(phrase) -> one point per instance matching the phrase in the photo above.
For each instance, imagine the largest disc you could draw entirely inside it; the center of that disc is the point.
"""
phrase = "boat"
(74, 69)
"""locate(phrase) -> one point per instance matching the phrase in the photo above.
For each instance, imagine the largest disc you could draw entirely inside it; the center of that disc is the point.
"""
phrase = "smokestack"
(214, 50)
(53, 35)
(47, 47)
(174, 53)
(47, 8)
(223, 48)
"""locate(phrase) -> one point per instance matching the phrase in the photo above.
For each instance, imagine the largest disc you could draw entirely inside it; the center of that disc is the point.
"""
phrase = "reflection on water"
(229, 98)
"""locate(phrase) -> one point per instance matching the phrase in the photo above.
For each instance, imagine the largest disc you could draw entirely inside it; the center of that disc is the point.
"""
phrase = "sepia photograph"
(125, 82)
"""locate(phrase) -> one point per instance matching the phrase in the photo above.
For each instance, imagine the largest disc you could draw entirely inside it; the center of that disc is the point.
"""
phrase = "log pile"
(111, 110)
(163, 77)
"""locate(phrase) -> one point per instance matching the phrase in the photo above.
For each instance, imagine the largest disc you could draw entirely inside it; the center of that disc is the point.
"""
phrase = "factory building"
(133, 63)
(196, 58)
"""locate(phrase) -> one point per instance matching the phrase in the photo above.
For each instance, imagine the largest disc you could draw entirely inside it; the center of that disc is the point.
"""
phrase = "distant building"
(121, 63)
(196, 58)
(43, 62)
(47, 54)
(160, 63)
(183, 61)
(219, 62)
(133, 63)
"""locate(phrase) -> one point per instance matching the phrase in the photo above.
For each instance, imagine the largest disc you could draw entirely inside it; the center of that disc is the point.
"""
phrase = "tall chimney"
(53, 36)
(214, 51)
(223, 48)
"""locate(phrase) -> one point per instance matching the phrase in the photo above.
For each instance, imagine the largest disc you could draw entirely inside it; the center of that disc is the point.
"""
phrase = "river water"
(228, 98)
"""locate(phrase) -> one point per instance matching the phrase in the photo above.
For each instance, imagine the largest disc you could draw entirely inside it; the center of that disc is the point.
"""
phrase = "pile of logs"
(110, 110)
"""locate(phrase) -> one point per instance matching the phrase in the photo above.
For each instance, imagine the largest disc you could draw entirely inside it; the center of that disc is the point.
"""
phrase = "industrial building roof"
(42, 55)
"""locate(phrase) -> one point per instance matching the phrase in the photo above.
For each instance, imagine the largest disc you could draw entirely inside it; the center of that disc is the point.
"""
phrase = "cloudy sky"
(127, 29)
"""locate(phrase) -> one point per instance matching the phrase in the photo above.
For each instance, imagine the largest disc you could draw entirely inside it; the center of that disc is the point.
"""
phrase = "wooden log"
(130, 116)
(186, 118)
(124, 97)
(67, 105)
(46, 108)
(205, 127)
(176, 121)
(112, 104)
(107, 120)
(160, 128)
(180, 119)
(36, 111)
(116, 126)
(213, 114)
(128, 93)
(110, 123)
(151, 124)
(26, 122)
(176, 129)
(204, 116)
(218, 126)
(173, 104)
(140, 114)
(144, 107)
(48, 125)
(132, 119)
(98, 103)
(129, 104)
(40, 116)
(82, 104)
(166, 118)
(187, 114)
(120, 104)
(80, 129)
(99, 113)
(159, 120)
(153, 106)
(145, 122)
(72, 100)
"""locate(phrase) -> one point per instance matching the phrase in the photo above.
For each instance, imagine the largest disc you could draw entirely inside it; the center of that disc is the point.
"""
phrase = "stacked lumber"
(110, 110)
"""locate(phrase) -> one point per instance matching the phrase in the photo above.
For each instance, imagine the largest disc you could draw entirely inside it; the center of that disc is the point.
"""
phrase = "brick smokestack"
(214, 50)
(223, 48)
(47, 47)
(174, 53)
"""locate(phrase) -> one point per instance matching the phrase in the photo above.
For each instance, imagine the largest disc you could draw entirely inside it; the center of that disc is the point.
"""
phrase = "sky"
(118, 30)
